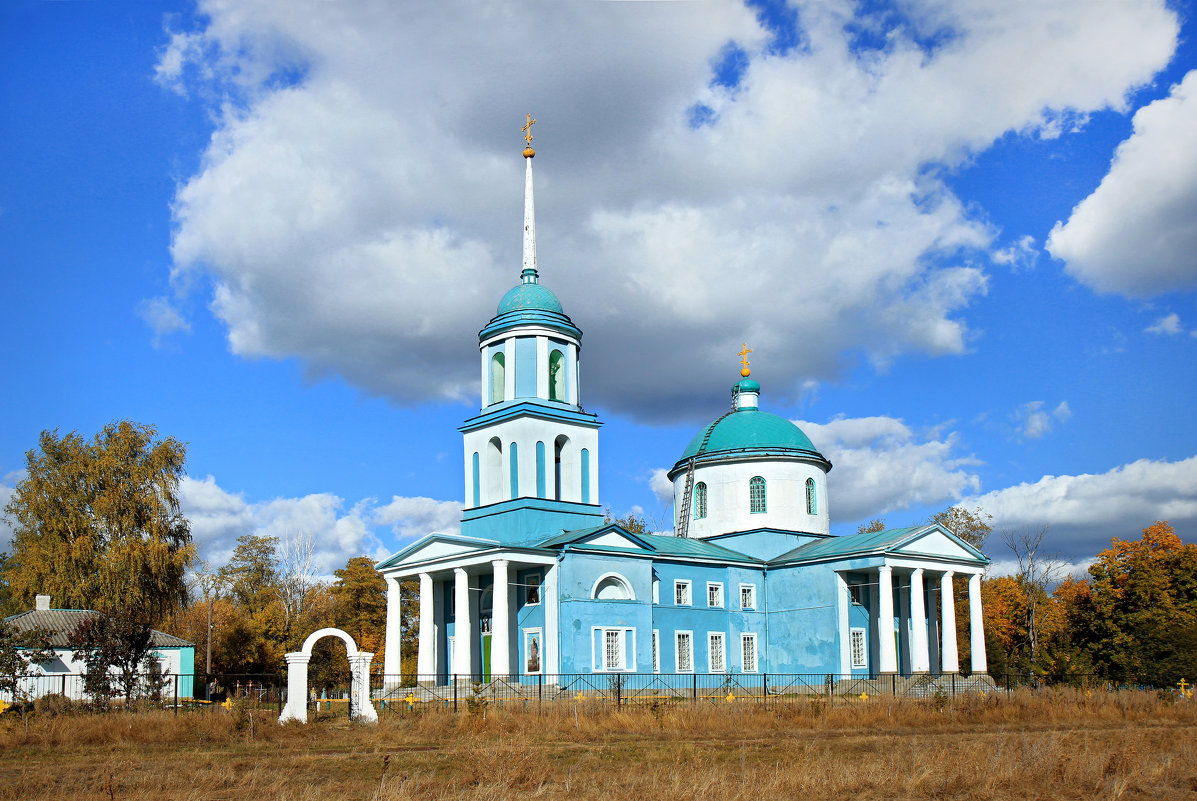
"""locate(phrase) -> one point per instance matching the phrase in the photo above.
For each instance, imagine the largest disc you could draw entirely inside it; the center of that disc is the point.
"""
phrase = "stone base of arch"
(360, 707)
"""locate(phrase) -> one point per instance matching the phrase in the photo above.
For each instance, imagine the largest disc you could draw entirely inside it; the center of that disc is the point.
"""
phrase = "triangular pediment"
(610, 535)
(938, 542)
(435, 546)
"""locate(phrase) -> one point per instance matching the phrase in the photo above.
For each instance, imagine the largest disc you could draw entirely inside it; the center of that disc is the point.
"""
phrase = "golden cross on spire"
(744, 371)
(527, 129)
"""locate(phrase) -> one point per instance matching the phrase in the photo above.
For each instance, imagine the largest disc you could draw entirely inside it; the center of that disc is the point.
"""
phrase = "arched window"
(556, 376)
(700, 500)
(812, 506)
(514, 482)
(498, 378)
(585, 475)
(540, 470)
(756, 495)
(612, 587)
(493, 475)
(477, 479)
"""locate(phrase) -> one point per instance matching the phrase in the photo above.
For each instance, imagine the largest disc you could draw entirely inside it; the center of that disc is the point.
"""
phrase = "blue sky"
(961, 239)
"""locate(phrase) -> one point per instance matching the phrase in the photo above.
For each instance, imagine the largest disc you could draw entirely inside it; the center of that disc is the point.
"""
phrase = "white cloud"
(219, 517)
(1137, 233)
(162, 316)
(1034, 421)
(881, 466)
(1084, 511)
(410, 518)
(1168, 325)
(358, 203)
(661, 486)
(1019, 255)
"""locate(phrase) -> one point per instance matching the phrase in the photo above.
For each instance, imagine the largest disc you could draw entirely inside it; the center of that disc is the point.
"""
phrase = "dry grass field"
(1059, 745)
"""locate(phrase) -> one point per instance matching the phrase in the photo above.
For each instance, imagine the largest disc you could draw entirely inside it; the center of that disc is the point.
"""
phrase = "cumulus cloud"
(661, 486)
(881, 465)
(339, 531)
(1137, 233)
(1168, 325)
(358, 204)
(410, 518)
(1019, 255)
(1084, 511)
(1033, 421)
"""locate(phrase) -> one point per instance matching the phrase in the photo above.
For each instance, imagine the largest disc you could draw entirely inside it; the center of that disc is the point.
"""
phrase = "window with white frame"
(656, 651)
(748, 653)
(860, 651)
(684, 651)
(748, 596)
(716, 652)
(756, 495)
(700, 500)
(714, 593)
(612, 648)
(532, 587)
(812, 505)
(656, 590)
(681, 593)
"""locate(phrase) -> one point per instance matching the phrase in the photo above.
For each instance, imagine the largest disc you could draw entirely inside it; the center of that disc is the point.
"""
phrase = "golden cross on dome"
(744, 371)
(527, 129)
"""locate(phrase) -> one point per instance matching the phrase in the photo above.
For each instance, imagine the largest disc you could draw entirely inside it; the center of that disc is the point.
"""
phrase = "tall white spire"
(529, 224)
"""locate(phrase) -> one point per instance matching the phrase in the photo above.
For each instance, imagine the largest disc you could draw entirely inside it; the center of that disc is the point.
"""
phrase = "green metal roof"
(750, 429)
(529, 297)
(853, 544)
(663, 545)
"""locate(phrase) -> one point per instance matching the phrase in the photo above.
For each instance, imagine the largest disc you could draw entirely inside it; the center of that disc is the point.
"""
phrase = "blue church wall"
(525, 520)
(580, 614)
(803, 631)
(529, 603)
(525, 367)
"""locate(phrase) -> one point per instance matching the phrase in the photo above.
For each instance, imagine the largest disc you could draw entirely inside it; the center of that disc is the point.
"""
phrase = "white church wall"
(728, 497)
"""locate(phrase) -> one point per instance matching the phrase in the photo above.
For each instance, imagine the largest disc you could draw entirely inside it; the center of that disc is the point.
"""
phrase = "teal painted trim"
(525, 367)
(544, 410)
(515, 470)
(750, 454)
(539, 471)
(477, 478)
(554, 321)
(585, 475)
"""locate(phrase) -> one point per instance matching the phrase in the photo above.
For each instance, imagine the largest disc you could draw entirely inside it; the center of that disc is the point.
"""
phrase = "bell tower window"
(556, 376)
(498, 378)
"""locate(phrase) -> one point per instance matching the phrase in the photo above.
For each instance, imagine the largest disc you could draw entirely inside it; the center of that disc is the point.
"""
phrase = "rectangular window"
(748, 652)
(684, 651)
(656, 590)
(613, 648)
(656, 651)
(716, 661)
(860, 653)
(533, 645)
(748, 596)
(532, 587)
(681, 593)
(714, 593)
(857, 593)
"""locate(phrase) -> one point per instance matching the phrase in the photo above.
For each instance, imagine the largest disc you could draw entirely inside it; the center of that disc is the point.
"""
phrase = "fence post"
(694, 689)
(176, 694)
(618, 691)
(765, 690)
(540, 692)
(454, 677)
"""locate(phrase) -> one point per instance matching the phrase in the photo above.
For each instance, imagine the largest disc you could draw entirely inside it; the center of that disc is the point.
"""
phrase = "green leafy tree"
(20, 653)
(972, 527)
(252, 572)
(874, 525)
(118, 651)
(97, 523)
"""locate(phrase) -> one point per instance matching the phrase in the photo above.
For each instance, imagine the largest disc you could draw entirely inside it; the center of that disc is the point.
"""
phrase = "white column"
(500, 625)
(919, 655)
(950, 654)
(297, 687)
(463, 628)
(391, 667)
(361, 708)
(426, 656)
(885, 620)
(976, 624)
(572, 390)
(842, 605)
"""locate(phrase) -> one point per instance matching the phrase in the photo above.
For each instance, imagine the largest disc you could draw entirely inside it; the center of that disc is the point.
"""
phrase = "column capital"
(918, 571)
(459, 571)
(885, 569)
(297, 658)
(497, 562)
(948, 574)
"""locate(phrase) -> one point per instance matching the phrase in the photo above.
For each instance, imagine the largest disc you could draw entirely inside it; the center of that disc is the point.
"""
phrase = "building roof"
(529, 297)
(61, 622)
(750, 430)
(662, 545)
(868, 542)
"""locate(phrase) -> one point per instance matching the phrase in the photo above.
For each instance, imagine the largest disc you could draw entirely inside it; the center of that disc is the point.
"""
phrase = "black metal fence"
(171, 691)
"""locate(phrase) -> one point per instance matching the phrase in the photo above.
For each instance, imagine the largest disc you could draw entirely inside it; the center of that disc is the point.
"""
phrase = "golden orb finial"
(527, 129)
(744, 371)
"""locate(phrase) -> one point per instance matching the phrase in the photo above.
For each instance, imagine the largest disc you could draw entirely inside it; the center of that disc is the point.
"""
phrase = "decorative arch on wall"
(563, 466)
(556, 375)
(493, 477)
(612, 587)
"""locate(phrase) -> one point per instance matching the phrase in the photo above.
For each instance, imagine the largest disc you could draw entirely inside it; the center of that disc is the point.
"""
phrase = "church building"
(538, 584)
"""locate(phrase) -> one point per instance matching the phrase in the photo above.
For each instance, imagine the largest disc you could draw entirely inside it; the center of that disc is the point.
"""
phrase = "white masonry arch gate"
(360, 707)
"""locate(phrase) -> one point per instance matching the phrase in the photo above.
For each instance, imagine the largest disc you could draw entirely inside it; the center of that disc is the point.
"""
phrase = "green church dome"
(750, 429)
(529, 297)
